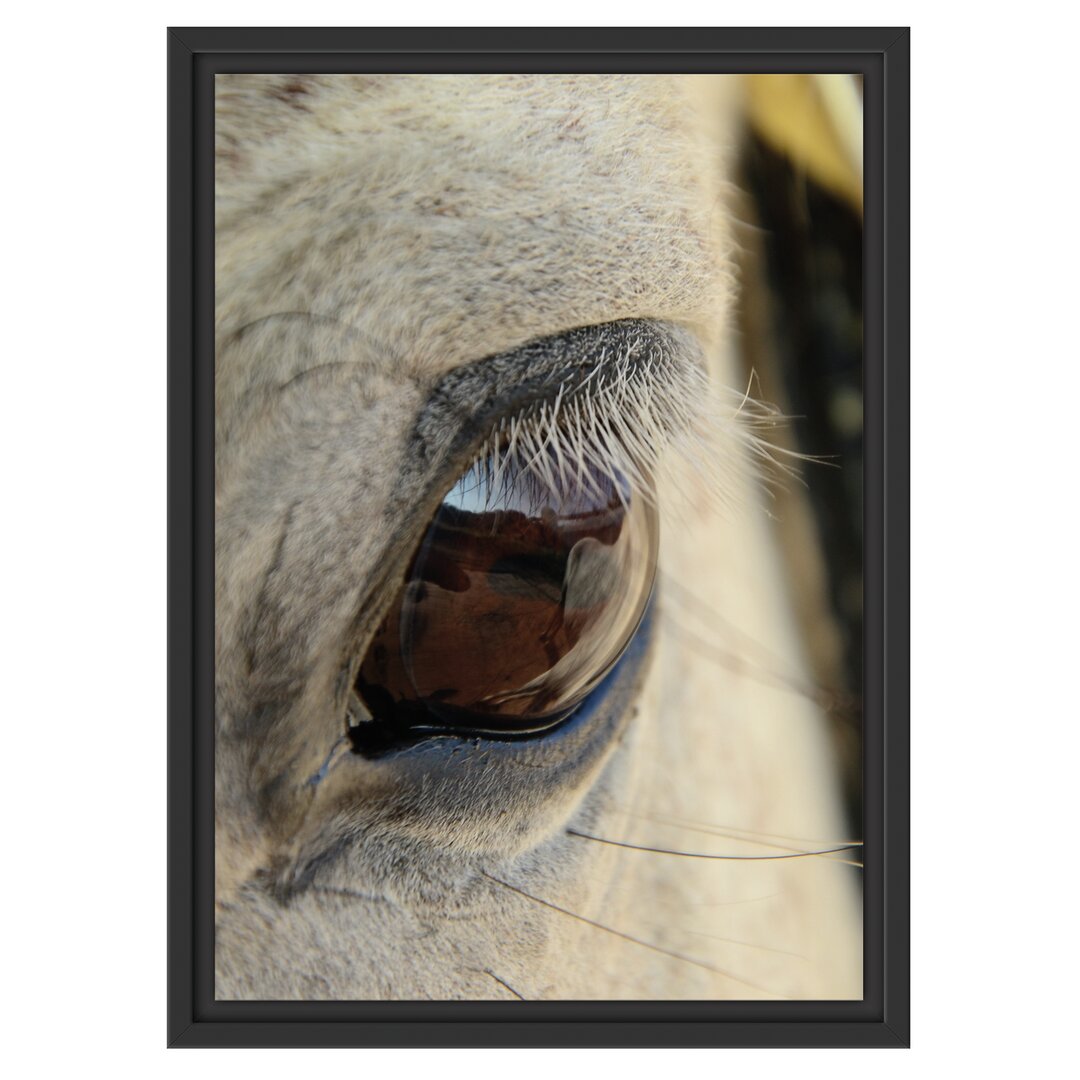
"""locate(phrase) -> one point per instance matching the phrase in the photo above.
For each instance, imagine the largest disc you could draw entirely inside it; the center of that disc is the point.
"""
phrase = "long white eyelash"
(630, 423)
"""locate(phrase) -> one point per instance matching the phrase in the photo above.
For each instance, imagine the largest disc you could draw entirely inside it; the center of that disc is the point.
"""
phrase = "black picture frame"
(882, 56)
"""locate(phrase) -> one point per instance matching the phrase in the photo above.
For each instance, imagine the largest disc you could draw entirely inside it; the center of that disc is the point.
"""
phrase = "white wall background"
(996, 393)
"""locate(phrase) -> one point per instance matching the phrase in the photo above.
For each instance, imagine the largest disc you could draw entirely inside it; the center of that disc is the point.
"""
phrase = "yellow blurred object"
(816, 120)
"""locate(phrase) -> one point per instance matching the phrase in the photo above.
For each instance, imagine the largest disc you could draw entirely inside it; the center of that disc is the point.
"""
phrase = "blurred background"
(801, 331)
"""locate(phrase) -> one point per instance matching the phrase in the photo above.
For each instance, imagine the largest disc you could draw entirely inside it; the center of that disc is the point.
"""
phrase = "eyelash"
(654, 423)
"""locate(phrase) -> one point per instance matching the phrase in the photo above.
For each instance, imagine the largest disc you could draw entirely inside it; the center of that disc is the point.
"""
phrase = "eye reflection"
(520, 599)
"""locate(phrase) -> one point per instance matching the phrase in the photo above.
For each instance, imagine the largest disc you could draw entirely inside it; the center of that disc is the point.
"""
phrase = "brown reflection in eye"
(518, 602)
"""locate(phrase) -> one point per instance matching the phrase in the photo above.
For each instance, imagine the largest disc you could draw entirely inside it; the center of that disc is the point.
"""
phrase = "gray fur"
(401, 261)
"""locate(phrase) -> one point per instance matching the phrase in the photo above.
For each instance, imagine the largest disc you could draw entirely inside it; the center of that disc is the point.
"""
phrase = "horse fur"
(389, 250)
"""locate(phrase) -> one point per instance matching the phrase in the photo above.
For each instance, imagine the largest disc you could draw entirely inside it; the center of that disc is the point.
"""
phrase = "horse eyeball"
(520, 599)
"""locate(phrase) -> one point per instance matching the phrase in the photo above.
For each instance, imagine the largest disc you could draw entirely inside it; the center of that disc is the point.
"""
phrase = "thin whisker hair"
(833, 702)
(628, 937)
(747, 944)
(733, 903)
(706, 855)
(767, 666)
(746, 836)
(504, 984)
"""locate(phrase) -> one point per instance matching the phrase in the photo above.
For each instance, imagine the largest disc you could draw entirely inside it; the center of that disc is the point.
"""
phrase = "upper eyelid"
(534, 372)
(635, 389)
(466, 406)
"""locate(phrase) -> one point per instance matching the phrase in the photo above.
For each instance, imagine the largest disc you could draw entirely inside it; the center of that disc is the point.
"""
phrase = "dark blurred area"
(803, 338)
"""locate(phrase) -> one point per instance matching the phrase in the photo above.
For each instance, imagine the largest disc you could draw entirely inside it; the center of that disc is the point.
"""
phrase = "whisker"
(747, 944)
(829, 701)
(732, 903)
(711, 617)
(734, 832)
(504, 984)
(765, 663)
(628, 937)
(705, 855)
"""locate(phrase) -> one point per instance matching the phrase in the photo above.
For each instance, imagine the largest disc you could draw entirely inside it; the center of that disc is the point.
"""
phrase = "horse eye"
(520, 599)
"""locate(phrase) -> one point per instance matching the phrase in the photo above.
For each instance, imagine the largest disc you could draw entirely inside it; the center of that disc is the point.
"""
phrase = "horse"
(448, 299)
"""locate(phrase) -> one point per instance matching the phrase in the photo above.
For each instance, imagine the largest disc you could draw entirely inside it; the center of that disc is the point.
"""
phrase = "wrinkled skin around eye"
(518, 602)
